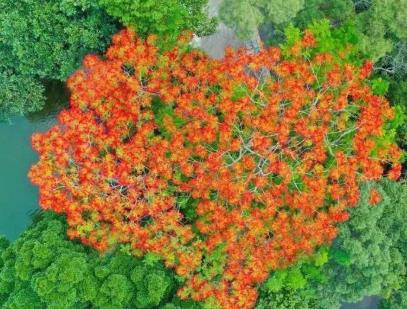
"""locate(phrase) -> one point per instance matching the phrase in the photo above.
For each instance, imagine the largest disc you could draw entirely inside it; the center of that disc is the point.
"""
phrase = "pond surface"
(18, 198)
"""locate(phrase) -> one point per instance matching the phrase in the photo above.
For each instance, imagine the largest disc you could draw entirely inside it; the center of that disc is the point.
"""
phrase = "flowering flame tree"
(223, 175)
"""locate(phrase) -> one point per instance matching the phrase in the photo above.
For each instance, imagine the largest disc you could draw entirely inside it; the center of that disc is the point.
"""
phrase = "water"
(18, 198)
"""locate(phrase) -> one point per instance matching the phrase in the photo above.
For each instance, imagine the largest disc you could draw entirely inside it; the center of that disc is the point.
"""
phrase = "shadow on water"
(18, 197)
(57, 98)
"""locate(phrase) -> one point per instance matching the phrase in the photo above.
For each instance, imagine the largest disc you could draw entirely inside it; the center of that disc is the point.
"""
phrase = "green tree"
(336, 11)
(19, 94)
(43, 269)
(42, 40)
(166, 19)
(398, 95)
(368, 256)
(245, 16)
(288, 299)
(293, 288)
(398, 300)
(396, 221)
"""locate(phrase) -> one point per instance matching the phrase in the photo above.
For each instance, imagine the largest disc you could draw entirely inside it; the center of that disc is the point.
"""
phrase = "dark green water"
(18, 198)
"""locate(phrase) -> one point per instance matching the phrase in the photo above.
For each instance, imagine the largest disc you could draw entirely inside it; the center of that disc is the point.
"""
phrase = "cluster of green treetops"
(43, 269)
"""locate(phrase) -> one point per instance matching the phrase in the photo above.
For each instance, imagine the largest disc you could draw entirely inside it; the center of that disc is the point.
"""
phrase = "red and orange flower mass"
(224, 175)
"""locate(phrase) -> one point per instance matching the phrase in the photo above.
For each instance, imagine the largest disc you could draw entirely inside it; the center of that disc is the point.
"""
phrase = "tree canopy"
(166, 19)
(19, 94)
(48, 39)
(222, 175)
(245, 16)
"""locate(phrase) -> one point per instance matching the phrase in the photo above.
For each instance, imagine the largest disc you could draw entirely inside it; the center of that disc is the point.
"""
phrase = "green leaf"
(380, 86)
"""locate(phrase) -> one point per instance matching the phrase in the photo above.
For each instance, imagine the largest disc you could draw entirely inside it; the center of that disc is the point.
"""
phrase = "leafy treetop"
(245, 16)
(166, 19)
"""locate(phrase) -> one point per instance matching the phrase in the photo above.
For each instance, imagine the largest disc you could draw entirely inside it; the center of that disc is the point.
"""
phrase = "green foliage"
(393, 14)
(398, 96)
(19, 94)
(396, 221)
(45, 40)
(43, 269)
(293, 287)
(280, 11)
(287, 299)
(48, 39)
(368, 256)
(293, 278)
(161, 111)
(166, 19)
(4, 243)
(339, 257)
(398, 300)
(151, 287)
(379, 86)
(333, 40)
(379, 24)
(330, 40)
(336, 11)
(213, 264)
(242, 16)
(245, 16)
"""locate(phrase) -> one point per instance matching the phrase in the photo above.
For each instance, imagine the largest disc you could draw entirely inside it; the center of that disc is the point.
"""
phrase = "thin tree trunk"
(255, 45)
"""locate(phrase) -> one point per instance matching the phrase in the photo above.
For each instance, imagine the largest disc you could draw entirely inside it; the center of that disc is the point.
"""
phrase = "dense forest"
(271, 178)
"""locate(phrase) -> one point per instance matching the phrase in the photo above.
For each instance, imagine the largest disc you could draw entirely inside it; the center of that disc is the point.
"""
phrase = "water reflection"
(57, 98)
